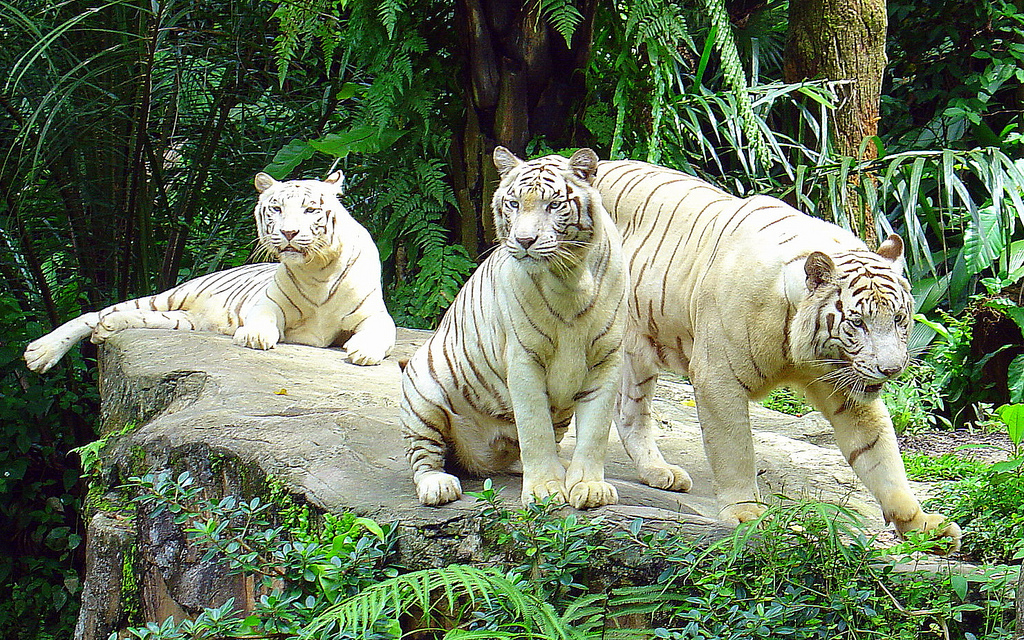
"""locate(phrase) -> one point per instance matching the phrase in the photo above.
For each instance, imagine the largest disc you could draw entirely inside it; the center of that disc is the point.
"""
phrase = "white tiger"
(324, 290)
(533, 338)
(748, 294)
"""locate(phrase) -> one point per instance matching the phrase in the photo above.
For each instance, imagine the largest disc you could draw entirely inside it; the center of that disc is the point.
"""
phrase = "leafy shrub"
(989, 507)
(804, 570)
(302, 564)
(948, 466)
(552, 550)
(914, 401)
(41, 419)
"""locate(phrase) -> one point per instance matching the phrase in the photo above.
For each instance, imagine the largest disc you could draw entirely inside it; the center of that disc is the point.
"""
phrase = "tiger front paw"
(437, 487)
(256, 336)
(938, 524)
(590, 494)
(553, 488)
(366, 349)
(665, 476)
(741, 512)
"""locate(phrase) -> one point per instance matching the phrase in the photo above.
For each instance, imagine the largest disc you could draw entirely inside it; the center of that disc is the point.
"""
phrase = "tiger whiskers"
(264, 251)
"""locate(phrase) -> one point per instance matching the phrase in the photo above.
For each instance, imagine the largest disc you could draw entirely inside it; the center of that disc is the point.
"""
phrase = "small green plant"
(948, 466)
(553, 549)
(785, 400)
(805, 570)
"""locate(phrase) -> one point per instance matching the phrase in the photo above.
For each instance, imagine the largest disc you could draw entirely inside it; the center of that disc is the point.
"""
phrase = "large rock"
(329, 431)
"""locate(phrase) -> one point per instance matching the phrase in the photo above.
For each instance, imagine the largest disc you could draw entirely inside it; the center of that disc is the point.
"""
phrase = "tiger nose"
(288, 235)
(526, 241)
(890, 370)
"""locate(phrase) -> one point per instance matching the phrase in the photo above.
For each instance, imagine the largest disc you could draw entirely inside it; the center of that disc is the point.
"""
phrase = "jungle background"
(130, 133)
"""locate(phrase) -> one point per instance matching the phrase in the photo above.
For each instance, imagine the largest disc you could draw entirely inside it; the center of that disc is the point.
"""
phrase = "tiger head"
(296, 219)
(543, 208)
(856, 317)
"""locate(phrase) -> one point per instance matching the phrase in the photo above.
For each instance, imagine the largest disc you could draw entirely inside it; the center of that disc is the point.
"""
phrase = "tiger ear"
(505, 161)
(263, 181)
(892, 250)
(819, 269)
(337, 178)
(584, 164)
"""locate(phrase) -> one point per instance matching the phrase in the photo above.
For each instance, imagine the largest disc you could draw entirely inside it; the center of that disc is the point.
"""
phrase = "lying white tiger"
(325, 290)
(747, 295)
(533, 337)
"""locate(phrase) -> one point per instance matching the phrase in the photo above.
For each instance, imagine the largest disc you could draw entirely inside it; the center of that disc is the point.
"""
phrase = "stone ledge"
(329, 431)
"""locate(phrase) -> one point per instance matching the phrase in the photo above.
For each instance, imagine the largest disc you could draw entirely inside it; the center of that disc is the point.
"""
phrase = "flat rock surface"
(330, 430)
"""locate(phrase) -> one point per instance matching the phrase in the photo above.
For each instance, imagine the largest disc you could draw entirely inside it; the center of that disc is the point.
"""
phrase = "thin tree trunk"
(522, 82)
(843, 40)
(228, 97)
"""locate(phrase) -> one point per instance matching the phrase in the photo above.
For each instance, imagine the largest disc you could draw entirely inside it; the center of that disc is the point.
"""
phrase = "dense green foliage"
(302, 563)
(131, 131)
(804, 571)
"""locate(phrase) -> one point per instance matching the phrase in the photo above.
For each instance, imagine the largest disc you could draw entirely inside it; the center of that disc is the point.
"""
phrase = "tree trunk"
(522, 82)
(843, 40)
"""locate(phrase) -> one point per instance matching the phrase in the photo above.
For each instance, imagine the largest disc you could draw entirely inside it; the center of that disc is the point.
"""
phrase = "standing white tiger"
(533, 337)
(325, 290)
(748, 294)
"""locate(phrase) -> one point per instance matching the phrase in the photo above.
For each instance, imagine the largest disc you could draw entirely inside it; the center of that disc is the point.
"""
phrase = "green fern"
(389, 12)
(443, 593)
(736, 78)
(563, 16)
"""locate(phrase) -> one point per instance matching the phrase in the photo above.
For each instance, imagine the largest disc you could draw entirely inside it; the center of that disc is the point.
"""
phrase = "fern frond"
(451, 585)
(388, 12)
(736, 79)
(563, 16)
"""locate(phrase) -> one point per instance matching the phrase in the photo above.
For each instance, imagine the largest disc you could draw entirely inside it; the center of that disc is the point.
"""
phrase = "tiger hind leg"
(42, 354)
(118, 320)
(634, 423)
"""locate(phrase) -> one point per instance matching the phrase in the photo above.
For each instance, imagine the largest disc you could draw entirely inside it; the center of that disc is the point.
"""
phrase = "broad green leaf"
(289, 157)
(349, 90)
(983, 240)
(959, 584)
(371, 526)
(1012, 415)
(360, 139)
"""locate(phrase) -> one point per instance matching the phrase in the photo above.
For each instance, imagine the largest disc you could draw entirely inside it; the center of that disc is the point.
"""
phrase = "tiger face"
(863, 316)
(295, 219)
(542, 208)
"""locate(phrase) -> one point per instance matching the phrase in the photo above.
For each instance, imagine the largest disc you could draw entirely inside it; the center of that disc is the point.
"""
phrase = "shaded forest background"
(130, 133)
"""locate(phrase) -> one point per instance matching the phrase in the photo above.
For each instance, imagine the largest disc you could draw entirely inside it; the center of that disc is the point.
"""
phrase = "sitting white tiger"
(325, 290)
(748, 294)
(532, 338)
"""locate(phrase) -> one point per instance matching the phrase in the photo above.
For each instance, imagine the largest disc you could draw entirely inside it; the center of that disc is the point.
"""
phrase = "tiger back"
(744, 295)
(324, 289)
(532, 339)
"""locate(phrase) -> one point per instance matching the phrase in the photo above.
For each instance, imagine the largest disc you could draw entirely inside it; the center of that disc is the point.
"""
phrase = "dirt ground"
(974, 444)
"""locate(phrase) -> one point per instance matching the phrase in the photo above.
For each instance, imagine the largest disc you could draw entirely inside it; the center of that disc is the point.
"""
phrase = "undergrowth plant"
(989, 504)
(302, 563)
(803, 570)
